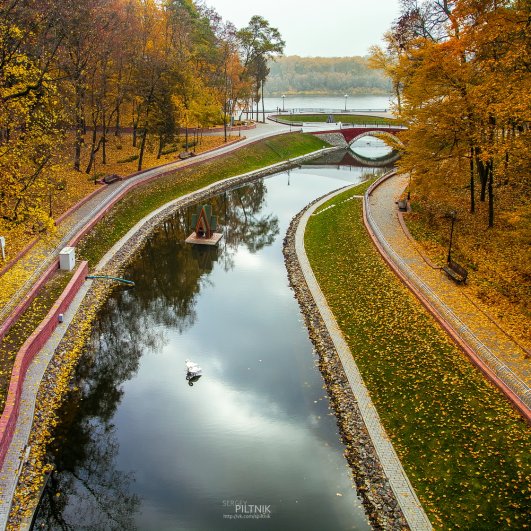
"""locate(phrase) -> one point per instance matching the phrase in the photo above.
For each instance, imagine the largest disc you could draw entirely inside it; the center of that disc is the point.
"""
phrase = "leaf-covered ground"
(498, 259)
(464, 448)
(72, 186)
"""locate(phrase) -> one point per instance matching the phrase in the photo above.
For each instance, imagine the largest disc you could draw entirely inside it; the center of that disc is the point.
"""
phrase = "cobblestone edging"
(388, 497)
(95, 294)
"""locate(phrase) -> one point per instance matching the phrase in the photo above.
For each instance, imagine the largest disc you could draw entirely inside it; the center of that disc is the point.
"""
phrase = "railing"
(309, 110)
(345, 125)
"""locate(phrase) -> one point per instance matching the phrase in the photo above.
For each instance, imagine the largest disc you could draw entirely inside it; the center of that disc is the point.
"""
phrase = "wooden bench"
(402, 205)
(109, 179)
(186, 155)
(456, 272)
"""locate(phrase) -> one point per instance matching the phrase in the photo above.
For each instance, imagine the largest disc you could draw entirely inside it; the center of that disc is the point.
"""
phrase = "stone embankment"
(378, 498)
(334, 139)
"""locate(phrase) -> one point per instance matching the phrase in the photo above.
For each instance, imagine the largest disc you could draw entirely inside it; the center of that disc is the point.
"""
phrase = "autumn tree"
(29, 113)
(463, 69)
(259, 42)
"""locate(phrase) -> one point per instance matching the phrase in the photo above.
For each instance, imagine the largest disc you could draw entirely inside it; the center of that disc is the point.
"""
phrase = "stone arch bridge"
(351, 133)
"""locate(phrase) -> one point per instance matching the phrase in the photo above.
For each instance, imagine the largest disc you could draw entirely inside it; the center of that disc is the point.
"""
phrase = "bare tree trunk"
(161, 145)
(263, 106)
(142, 148)
(225, 121)
(92, 151)
(482, 172)
(104, 140)
(117, 122)
(490, 166)
(472, 191)
(79, 128)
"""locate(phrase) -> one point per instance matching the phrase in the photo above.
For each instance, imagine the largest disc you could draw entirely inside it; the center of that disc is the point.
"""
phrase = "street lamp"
(346, 97)
(452, 215)
(283, 96)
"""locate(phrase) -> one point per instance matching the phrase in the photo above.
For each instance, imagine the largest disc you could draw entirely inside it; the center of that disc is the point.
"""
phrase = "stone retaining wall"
(372, 484)
(334, 139)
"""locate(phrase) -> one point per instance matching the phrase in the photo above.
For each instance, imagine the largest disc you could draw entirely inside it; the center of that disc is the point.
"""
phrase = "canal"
(252, 444)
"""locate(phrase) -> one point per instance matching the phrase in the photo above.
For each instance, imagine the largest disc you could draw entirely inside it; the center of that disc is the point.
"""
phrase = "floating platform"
(213, 240)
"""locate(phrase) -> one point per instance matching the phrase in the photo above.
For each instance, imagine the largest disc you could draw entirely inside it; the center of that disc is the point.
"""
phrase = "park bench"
(109, 179)
(186, 155)
(456, 272)
(402, 205)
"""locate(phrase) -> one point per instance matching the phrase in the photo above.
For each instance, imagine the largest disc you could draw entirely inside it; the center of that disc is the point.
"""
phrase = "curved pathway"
(488, 346)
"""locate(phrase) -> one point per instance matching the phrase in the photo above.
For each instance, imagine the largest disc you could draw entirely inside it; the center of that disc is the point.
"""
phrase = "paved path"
(17, 282)
(402, 488)
(497, 350)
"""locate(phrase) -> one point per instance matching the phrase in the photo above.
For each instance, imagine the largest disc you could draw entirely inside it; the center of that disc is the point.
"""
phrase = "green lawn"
(24, 327)
(344, 118)
(464, 448)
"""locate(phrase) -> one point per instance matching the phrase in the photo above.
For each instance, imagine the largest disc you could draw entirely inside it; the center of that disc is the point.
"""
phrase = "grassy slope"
(465, 450)
(14, 339)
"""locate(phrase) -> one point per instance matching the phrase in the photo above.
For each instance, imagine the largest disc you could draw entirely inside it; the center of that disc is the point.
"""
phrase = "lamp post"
(452, 216)
(283, 96)
(346, 97)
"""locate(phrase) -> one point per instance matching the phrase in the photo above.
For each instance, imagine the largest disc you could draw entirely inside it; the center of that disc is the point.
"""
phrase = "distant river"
(329, 103)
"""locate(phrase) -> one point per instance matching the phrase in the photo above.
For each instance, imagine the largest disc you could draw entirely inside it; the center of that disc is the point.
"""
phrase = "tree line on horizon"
(330, 76)
(81, 71)
(461, 76)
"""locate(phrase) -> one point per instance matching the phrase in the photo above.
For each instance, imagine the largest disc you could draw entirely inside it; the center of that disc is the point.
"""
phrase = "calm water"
(142, 449)
(328, 102)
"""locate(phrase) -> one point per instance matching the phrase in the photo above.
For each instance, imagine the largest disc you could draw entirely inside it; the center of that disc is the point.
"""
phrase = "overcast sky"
(329, 28)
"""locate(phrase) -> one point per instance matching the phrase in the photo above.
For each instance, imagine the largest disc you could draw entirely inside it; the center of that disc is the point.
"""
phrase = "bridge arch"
(377, 133)
(379, 162)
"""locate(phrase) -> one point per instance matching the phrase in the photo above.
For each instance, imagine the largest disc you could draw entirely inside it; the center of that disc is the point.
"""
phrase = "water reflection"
(139, 449)
(352, 160)
(369, 149)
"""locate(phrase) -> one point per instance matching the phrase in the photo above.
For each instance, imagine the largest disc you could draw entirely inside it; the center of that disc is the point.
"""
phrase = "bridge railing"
(309, 110)
(346, 125)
